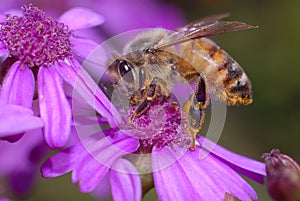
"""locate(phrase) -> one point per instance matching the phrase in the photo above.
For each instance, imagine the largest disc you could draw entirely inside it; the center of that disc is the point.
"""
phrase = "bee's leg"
(194, 108)
(150, 95)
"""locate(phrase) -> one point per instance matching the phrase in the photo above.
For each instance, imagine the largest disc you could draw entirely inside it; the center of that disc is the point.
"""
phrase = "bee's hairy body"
(151, 64)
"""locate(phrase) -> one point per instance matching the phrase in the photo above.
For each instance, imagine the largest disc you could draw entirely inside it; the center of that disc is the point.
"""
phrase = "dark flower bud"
(283, 176)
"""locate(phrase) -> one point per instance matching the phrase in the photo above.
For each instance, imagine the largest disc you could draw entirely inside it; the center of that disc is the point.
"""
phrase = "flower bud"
(283, 176)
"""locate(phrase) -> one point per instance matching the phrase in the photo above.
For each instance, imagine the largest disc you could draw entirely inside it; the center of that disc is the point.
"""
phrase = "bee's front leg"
(150, 94)
(194, 108)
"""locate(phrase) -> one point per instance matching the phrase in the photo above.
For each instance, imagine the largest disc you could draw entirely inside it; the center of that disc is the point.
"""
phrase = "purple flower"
(154, 152)
(40, 51)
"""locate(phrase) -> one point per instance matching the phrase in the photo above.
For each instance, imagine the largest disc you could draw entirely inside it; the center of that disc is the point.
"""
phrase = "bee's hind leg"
(194, 108)
(150, 94)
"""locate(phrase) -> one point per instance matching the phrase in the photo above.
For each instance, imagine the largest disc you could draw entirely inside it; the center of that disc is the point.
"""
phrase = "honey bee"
(156, 60)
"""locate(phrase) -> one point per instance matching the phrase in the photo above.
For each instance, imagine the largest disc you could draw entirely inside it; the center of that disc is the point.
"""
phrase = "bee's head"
(121, 70)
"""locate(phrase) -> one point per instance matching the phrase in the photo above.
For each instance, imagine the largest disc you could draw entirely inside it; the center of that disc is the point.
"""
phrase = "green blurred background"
(270, 56)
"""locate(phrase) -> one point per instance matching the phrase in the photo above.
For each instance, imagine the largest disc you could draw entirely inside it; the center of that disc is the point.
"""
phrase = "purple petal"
(90, 34)
(89, 173)
(171, 182)
(90, 147)
(103, 190)
(83, 47)
(63, 162)
(18, 86)
(76, 76)
(23, 150)
(190, 178)
(20, 161)
(246, 166)
(104, 153)
(15, 119)
(4, 199)
(225, 178)
(81, 18)
(125, 186)
(54, 107)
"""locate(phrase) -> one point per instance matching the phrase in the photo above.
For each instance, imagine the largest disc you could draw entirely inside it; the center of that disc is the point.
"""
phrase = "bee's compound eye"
(124, 67)
(125, 70)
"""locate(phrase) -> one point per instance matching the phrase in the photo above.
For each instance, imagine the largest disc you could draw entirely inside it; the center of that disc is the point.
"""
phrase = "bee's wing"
(202, 22)
(207, 26)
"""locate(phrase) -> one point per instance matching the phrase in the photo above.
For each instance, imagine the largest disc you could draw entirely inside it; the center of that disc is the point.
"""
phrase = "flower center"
(35, 39)
(162, 125)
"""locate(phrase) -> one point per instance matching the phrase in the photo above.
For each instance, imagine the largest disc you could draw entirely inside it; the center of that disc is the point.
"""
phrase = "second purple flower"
(39, 52)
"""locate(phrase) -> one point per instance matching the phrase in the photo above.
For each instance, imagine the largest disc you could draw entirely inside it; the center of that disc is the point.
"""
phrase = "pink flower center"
(162, 125)
(35, 39)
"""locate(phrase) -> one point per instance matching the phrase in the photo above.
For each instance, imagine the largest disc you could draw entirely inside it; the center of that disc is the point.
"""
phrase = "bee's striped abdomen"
(227, 80)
